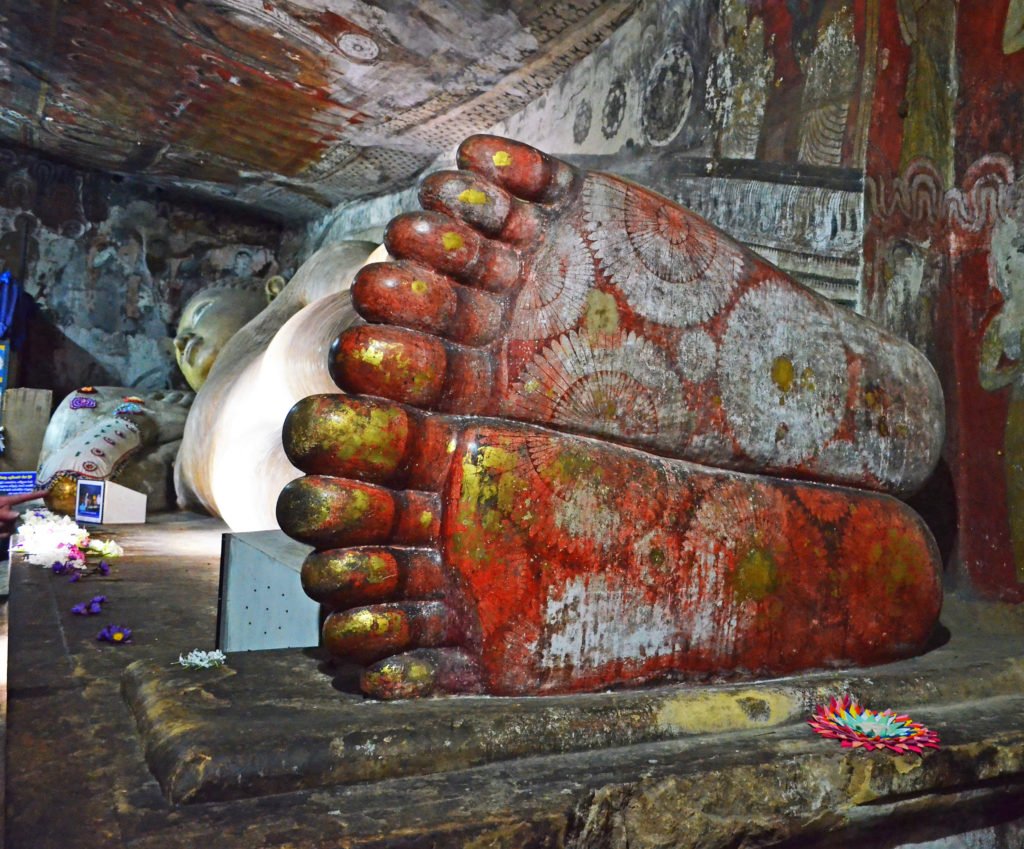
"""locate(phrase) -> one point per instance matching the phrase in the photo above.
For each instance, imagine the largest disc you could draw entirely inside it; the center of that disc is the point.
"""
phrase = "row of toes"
(445, 295)
(388, 613)
(385, 600)
(457, 265)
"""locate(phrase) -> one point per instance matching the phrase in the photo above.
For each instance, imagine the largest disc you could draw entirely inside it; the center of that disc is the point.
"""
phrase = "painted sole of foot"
(533, 291)
(462, 554)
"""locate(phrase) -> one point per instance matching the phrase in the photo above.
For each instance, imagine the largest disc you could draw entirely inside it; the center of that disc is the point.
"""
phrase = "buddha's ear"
(273, 286)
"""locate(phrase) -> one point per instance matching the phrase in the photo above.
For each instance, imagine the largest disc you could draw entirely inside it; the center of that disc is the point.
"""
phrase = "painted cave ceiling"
(287, 106)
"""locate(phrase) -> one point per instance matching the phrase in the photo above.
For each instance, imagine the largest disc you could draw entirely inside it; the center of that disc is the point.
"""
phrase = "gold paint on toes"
(452, 241)
(473, 196)
(407, 677)
(360, 624)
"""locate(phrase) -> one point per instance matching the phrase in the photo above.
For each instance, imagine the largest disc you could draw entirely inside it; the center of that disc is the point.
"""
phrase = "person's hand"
(8, 516)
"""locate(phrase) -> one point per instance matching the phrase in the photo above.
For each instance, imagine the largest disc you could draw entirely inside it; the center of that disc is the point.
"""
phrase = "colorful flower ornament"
(855, 727)
(87, 390)
(80, 403)
(132, 399)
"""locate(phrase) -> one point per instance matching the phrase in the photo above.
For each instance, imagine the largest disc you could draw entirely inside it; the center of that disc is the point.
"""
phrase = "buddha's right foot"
(462, 554)
(580, 301)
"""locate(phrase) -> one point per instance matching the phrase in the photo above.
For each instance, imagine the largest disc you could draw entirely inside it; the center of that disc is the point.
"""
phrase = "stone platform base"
(271, 722)
(267, 753)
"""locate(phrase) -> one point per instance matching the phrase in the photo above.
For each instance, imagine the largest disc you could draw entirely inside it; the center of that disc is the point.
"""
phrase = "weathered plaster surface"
(290, 106)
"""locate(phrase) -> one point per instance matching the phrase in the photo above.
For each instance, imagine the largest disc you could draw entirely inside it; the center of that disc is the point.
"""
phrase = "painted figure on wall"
(595, 451)
(738, 83)
(1002, 359)
(928, 27)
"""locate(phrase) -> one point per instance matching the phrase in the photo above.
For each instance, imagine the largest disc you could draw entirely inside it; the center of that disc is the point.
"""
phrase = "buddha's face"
(211, 318)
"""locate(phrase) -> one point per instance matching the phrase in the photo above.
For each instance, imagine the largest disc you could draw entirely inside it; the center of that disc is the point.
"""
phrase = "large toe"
(347, 437)
(523, 170)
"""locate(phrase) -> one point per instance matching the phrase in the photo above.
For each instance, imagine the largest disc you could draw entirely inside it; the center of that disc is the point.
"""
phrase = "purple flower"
(99, 599)
(79, 609)
(115, 634)
(104, 567)
(75, 577)
(95, 608)
(59, 568)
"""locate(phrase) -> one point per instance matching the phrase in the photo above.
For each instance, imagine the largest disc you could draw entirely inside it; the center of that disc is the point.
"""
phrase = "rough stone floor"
(118, 746)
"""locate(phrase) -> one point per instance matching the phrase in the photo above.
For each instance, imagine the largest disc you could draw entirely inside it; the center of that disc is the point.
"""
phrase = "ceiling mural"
(289, 106)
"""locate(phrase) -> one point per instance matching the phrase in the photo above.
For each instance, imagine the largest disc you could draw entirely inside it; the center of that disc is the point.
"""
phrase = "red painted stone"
(557, 562)
(569, 564)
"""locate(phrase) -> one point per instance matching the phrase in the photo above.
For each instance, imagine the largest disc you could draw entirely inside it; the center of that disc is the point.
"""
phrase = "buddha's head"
(209, 319)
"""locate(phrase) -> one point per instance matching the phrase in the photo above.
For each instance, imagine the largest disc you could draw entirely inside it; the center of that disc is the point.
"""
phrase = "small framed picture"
(89, 502)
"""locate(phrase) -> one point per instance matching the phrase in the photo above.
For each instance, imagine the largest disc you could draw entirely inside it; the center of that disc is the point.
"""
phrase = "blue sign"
(89, 506)
(17, 483)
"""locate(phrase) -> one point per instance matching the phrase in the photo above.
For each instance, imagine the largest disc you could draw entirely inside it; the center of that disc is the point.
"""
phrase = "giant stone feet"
(532, 291)
(474, 555)
(581, 467)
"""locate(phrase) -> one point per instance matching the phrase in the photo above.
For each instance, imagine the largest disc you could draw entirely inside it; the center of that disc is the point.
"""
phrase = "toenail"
(452, 241)
(418, 286)
(474, 196)
(502, 159)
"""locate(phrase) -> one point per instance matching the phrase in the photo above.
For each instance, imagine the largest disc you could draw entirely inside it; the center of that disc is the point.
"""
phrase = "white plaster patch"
(583, 514)
(589, 624)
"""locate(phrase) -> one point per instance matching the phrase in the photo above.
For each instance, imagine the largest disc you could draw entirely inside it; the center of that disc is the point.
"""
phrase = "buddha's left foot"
(533, 291)
(474, 555)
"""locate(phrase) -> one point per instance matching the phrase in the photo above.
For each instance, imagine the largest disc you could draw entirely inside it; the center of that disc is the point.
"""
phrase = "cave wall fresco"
(288, 106)
(944, 254)
(748, 112)
(109, 264)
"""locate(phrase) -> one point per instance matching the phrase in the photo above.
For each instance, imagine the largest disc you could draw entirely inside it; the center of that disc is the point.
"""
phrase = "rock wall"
(108, 264)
